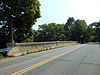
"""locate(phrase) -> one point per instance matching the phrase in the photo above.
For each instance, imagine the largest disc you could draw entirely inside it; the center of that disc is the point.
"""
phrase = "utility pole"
(12, 34)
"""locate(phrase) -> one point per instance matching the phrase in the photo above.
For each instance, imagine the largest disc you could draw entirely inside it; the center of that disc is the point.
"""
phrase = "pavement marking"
(43, 62)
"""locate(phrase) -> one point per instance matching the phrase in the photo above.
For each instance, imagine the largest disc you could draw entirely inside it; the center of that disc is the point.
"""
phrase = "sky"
(58, 11)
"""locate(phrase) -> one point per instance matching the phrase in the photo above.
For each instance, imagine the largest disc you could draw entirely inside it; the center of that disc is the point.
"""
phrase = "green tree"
(21, 14)
(50, 32)
(95, 31)
(80, 31)
(90, 32)
(68, 28)
(30, 38)
(76, 30)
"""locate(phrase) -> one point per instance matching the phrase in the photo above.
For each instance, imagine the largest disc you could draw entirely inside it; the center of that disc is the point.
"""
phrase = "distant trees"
(19, 14)
(50, 32)
(71, 31)
(95, 27)
(76, 30)
(68, 28)
(81, 31)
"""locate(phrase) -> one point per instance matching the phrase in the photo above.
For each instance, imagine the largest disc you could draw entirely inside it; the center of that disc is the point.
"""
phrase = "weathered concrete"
(23, 48)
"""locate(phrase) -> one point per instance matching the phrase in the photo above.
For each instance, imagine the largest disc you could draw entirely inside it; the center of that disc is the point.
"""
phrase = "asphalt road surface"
(83, 59)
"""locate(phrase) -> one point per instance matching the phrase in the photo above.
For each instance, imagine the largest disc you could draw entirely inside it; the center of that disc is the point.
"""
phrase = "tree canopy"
(76, 30)
(95, 27)
(50, 32)
(80, 31)
(68, 28)
(72, 30)
(21, 14)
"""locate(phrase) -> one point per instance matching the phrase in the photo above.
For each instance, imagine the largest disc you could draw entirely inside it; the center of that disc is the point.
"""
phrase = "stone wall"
(22, 48)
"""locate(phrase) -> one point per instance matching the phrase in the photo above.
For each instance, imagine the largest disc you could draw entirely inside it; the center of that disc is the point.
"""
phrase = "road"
(83, 59)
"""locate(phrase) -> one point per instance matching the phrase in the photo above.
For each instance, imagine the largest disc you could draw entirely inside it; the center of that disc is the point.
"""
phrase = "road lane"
(44, 62)
(11, 61)
(19, 63)
(82, 61)
(64, 65)
(85, 61)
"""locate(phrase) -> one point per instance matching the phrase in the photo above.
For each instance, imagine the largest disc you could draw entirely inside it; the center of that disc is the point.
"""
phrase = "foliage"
(22, 14)
(68, 28)
(30, 38)
(76, 30)
(95, 31)
(50, 32)
(1, 56)
(73, 30)
(80, 31)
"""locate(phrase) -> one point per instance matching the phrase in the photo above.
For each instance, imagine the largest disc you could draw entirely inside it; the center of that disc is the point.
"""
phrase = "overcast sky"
(58, 11)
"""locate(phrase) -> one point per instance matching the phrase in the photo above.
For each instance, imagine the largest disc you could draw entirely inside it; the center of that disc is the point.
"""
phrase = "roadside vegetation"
(4, 57)
(72, 30)
(1, 56)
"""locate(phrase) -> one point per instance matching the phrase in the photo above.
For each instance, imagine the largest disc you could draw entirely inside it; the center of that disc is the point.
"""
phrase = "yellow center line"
(42, 62)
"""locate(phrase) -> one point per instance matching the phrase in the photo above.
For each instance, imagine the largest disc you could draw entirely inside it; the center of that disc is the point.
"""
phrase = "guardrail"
(24, 48)
(4, 51)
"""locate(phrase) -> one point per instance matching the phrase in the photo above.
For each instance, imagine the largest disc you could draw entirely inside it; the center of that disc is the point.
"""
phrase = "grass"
(1, 56)
(4, 57)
